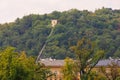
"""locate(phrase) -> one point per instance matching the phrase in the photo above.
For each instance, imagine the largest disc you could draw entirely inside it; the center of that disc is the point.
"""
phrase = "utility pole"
(53, 23)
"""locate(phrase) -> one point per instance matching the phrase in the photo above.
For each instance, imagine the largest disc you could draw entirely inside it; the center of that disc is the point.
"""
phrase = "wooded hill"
(31, 32)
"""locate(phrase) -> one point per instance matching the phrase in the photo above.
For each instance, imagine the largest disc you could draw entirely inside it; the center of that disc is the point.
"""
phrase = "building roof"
(52, 62)
(107, 62)
(58, 63)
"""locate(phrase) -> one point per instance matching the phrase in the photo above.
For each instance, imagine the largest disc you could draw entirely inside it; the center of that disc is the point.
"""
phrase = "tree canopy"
(70, 70)
(31, 32)
(17, 66)
(86, 57)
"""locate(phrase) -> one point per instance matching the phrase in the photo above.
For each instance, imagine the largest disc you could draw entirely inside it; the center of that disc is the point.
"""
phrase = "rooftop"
(107, 62)
(52, 62)
(56, 63)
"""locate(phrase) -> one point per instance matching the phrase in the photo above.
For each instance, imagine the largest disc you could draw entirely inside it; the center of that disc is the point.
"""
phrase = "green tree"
(96, 76)
(113, 73)
(87, 57)
(69, 70)
(30, 32)
(17, 66)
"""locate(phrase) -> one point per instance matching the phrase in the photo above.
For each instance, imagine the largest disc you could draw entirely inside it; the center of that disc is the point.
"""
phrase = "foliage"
(31, 32)
(96, 76)
(17, 66)
(69, 70)
(113, 71)
(87, 57)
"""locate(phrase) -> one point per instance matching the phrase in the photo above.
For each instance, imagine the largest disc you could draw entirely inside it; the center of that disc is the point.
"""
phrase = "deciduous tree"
(17, 66)
(112, 72)
(69, 70)
(87, 57)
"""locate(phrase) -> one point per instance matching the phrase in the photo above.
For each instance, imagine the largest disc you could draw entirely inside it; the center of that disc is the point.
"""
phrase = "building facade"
(56, 66)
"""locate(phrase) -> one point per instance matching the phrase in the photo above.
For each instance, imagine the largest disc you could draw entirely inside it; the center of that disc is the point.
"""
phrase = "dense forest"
(30, 33)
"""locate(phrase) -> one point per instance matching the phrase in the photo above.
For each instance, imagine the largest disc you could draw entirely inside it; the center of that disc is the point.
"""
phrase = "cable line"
(54, 22)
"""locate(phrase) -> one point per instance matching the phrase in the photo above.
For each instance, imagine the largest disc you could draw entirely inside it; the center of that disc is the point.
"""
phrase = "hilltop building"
(54, 22)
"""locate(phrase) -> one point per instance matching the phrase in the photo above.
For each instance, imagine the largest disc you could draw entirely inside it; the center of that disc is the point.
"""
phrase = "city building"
(56, 65)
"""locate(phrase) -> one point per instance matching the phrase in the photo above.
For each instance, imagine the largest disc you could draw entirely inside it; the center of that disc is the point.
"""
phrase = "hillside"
(31, 32)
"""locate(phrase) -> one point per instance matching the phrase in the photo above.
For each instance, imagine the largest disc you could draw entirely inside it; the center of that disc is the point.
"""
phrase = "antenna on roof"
(111, 58)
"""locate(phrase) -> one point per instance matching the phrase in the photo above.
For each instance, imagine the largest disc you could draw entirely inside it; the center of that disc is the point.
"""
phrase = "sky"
(12, 9)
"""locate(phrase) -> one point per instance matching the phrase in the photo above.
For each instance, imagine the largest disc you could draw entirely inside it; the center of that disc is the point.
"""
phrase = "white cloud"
(11, 9)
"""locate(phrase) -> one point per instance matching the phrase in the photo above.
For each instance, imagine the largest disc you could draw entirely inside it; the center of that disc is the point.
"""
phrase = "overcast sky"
(11, 9)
